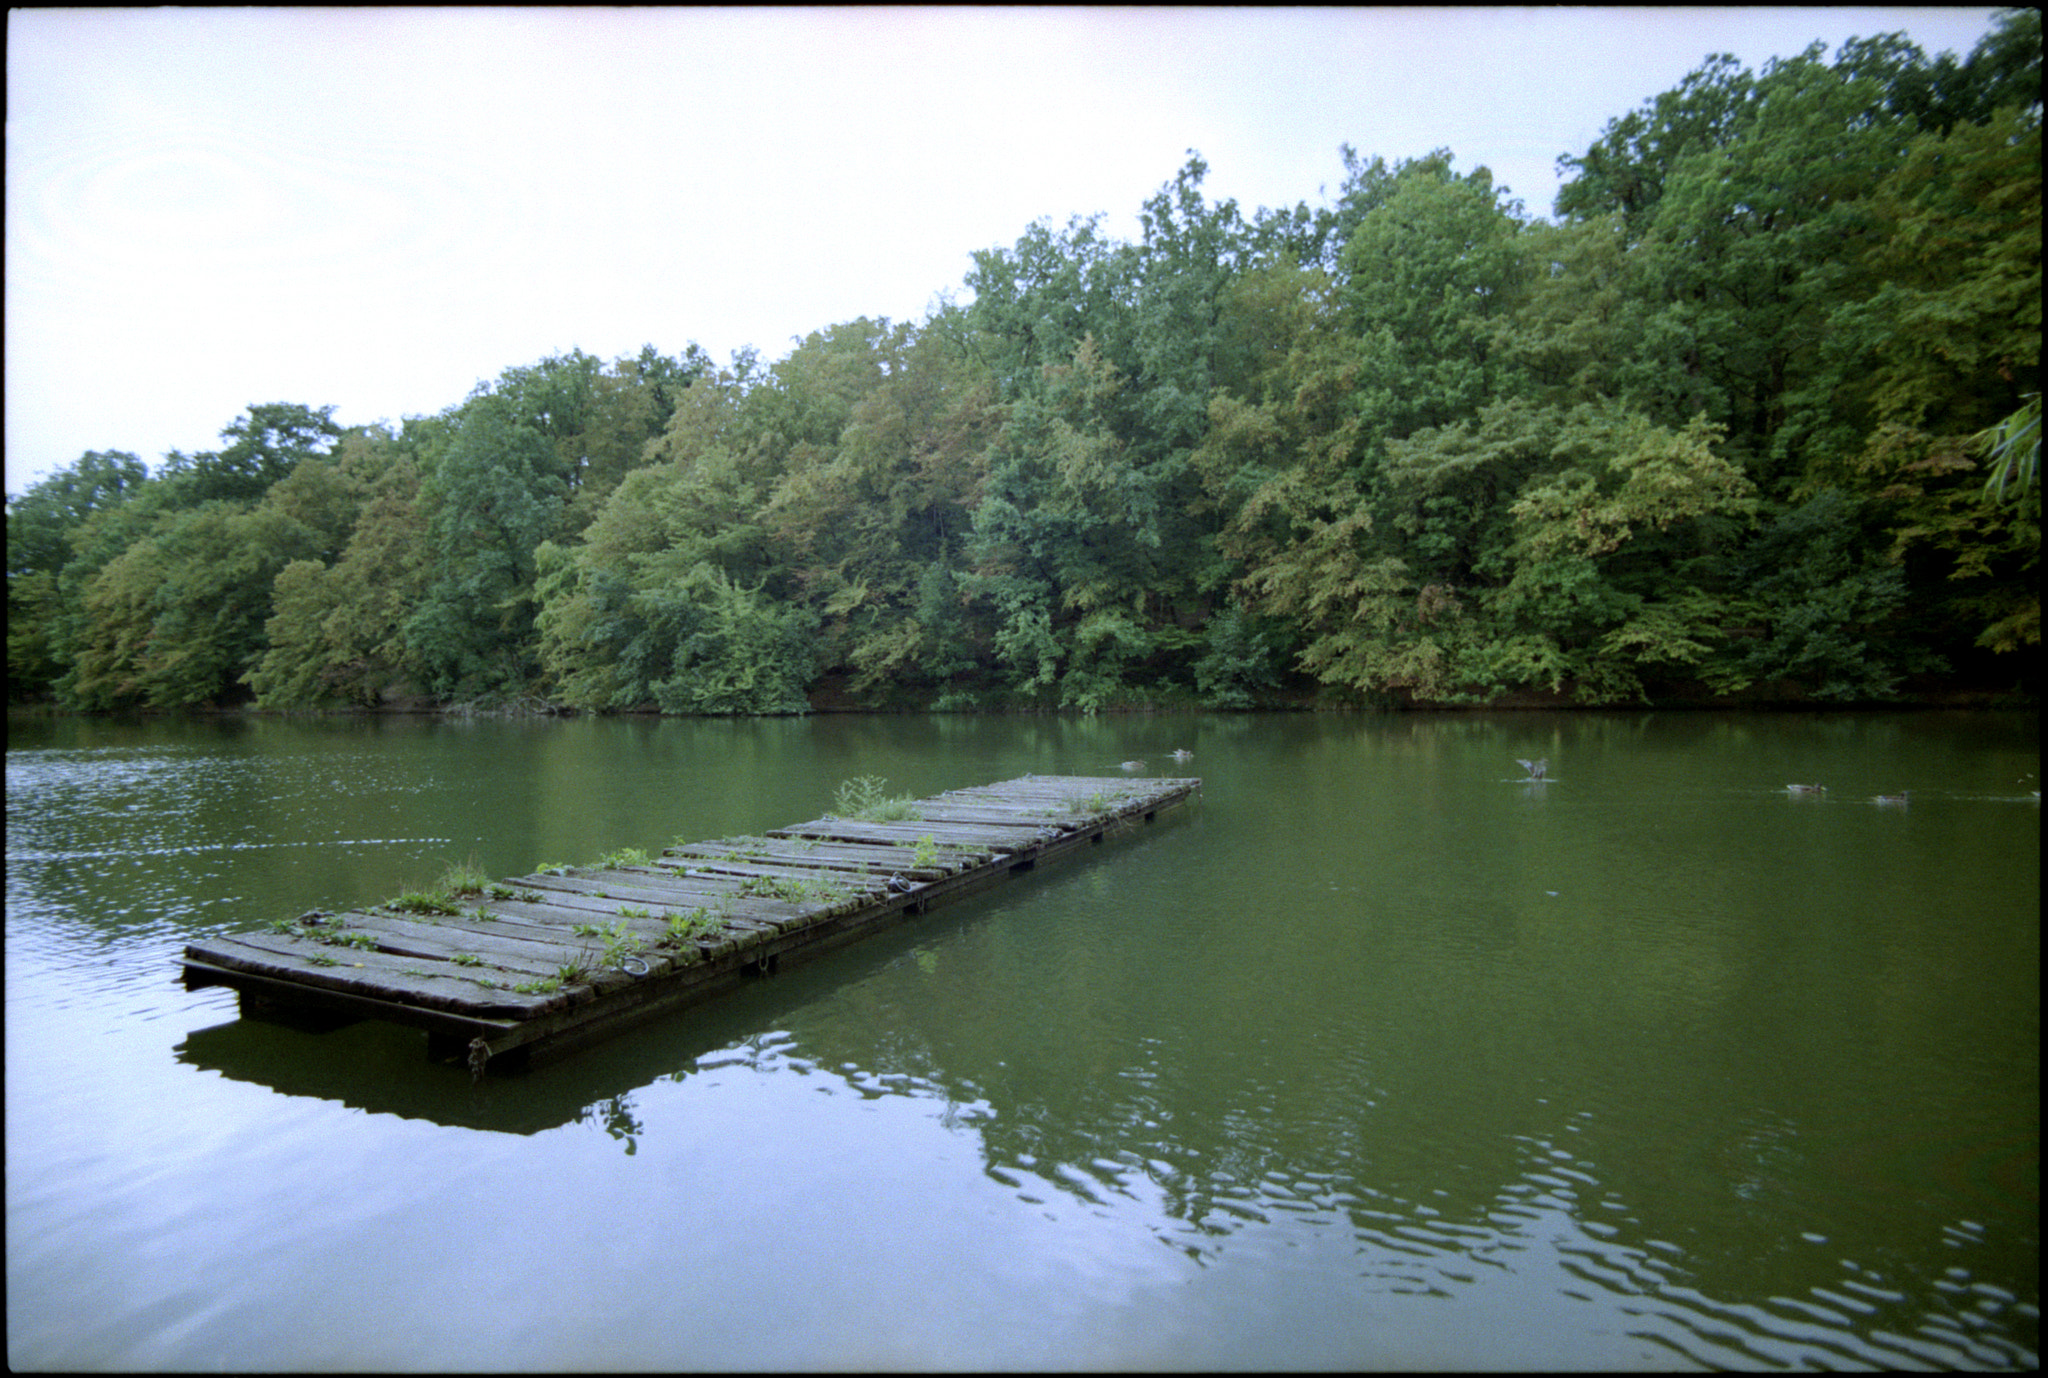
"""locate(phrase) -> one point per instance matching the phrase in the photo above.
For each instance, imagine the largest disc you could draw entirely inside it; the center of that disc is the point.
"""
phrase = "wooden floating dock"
(561, 957)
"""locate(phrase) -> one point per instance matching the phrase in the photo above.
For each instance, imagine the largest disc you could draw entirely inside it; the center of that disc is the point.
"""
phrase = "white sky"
(379, 208)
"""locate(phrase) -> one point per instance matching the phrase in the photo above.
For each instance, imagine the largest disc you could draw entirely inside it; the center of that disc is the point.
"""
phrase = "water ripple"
(30, 856)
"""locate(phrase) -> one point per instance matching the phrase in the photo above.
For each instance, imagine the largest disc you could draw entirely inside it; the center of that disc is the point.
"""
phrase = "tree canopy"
(1754, 416)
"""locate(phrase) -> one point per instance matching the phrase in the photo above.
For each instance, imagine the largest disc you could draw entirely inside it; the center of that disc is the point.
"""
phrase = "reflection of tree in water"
(1583, 1104)
(1203, 1108)
(616, 1116)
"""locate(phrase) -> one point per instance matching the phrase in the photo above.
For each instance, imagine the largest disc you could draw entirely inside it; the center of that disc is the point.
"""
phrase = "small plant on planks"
(864, 798)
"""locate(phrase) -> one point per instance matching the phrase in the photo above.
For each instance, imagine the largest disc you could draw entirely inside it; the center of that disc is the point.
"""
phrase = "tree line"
(1748, 418)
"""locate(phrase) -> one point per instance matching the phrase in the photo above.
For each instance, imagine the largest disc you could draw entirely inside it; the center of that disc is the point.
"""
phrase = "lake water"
(1374, 1057)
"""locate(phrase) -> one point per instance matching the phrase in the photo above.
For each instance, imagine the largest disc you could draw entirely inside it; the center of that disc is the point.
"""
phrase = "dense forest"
(1753, 418)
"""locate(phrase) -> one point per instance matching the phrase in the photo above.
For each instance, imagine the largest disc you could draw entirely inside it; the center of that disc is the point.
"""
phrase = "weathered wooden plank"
(541, 919)
(583, 887)
(273, 995)
(874, 864)
(446, 941)
(379, 974)
(754, 877)
(987, 838)
(600, 896)
(964, 816)
(844, 856)
(604, 895)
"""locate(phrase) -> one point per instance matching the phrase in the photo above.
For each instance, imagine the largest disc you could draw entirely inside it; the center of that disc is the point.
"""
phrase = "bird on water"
(1903, 796)
(1806, 789)
(1536, 768)
(1131, 765)
(1181, 753)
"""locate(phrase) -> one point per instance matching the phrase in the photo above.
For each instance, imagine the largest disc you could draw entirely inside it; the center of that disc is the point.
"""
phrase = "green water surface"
(1377, 1056)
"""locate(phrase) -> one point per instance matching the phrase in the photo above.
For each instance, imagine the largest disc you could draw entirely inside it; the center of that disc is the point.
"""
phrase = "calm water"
(1374, 1058)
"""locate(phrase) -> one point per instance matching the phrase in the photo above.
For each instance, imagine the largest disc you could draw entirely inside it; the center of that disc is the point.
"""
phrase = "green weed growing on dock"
(502, 892)
(331, 935)
(424, 902)
(684, 929)
(625, 856)
(464, 878)
(552, 868)
(618, 943)
(819, 891)
(539, 985)
(862, 798)
(467, 959)
(634, 911)
(926, 853)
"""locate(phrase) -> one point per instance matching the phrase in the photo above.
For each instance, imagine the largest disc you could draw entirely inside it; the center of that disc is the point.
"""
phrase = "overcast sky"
(379, 209)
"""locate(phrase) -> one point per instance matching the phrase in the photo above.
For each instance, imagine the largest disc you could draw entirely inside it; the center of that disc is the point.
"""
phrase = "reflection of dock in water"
(561, 957)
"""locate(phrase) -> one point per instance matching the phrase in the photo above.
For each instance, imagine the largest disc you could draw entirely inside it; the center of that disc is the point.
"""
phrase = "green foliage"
(265, 444)
(495, 496)
(40, 521)
(1428, 272)
(178, 617)
(336, 629)
(2014, 449)
(736, 649)
(1531, 547)
(1239, 659)
(1408, 446)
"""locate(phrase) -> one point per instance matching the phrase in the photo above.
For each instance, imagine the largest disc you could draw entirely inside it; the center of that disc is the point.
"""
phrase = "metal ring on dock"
(625, 965)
